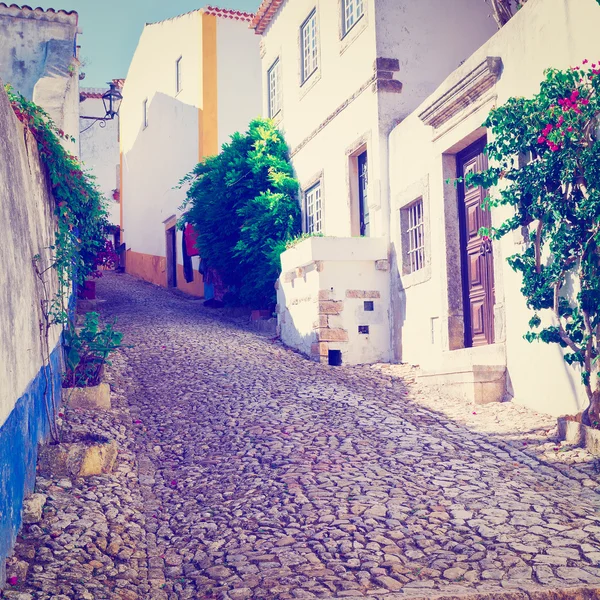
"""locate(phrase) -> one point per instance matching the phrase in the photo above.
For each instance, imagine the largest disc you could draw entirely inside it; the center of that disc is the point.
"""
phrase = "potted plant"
(86, 353)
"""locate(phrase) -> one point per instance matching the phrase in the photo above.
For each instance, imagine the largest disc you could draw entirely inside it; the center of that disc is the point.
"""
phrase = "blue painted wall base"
(26, 426)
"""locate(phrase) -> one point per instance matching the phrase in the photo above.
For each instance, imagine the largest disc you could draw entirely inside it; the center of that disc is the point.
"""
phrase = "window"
(414, 231)
(308, 43)
(178, 87)
(352, 11)
(145, 112)
(274, 83)
(314, 213)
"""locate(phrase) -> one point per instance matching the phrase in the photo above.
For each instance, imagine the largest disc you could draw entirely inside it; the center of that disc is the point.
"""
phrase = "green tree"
(545, 164)
(244, 205)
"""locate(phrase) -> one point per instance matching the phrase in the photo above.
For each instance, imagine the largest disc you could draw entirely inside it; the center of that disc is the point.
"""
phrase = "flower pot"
(578, 434)
(78, 457)
(96, 397)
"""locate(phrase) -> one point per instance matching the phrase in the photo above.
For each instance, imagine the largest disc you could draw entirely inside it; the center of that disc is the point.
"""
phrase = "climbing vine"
(79, 207)
(545, 164)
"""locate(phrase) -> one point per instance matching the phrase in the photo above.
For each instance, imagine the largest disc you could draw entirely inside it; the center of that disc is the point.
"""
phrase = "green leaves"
(545, 164)
(81, 212)
(243, 203)
(87, 351)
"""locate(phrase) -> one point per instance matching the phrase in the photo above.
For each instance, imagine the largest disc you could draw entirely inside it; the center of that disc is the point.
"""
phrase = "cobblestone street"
(263, 475)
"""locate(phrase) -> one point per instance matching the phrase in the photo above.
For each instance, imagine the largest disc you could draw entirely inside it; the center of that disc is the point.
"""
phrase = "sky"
(112, 28)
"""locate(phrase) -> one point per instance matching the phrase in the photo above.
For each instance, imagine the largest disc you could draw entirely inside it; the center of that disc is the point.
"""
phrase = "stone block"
(332, 335)
(93, 456)
(325, 294)
(387, 85)
(331, 307)
(371, 294)
(96, 397)
(571, 431)
(289, 276)
(320, 265)
(323, 321)
(382, 265)
(387, 64)
(32, 508)
(319, 349)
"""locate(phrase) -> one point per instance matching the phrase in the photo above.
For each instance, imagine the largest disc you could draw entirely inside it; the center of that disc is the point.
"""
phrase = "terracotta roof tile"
(236, 15)
(264, 15)
(27, 12)
(226, 13)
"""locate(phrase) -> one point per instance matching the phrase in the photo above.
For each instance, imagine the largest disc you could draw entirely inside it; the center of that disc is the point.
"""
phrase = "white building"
(193, 81)
(39, 58)
(338, 76)
(459, 312)
(99, 147)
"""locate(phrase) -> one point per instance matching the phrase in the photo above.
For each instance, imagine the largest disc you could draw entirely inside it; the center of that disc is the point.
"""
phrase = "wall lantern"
(112, 103)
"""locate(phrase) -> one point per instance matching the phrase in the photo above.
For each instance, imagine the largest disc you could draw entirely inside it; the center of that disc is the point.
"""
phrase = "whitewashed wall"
(37, 57)
(100, 151)
(155, 158)
(428, 38)
(545, 33)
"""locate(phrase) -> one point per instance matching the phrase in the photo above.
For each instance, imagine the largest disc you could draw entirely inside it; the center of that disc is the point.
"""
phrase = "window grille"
(308, 41)
(352, 11)
(415, 249)
(274, 79)
(314, 212)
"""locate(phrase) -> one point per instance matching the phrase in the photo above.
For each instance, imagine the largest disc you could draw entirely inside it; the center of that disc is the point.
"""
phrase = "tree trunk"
(591, 415)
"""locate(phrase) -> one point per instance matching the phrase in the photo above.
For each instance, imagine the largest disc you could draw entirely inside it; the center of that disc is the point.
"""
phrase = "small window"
(145, 112)
(413, 229)
(308, 43)
(178, 87)
(363, 329)
(274, 82)
(352, 11)
(313, 206)
(369, 306)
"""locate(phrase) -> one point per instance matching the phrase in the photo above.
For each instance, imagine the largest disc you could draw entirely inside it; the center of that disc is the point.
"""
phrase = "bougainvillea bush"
(545, 164)
(80, 208)
(244, 205)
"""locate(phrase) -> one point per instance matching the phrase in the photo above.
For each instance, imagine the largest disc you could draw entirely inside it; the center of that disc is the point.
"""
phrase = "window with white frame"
(313, 207)
(274, 82)
(145, 112)
(178, 87)
(414, 232)
(309, 46)
(352, 11)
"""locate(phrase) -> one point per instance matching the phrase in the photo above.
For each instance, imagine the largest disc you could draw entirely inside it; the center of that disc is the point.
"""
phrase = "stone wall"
(38, 58)
(26, 229)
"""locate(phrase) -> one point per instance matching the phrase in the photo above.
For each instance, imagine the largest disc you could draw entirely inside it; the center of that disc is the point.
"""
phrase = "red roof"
(264, 15)
(27, 12)
(236, 15)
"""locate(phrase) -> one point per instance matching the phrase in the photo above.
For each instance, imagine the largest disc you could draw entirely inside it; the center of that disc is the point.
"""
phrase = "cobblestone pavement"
(263, 475)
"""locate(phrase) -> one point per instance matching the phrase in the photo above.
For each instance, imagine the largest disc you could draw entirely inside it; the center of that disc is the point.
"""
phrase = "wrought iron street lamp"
(112, 102)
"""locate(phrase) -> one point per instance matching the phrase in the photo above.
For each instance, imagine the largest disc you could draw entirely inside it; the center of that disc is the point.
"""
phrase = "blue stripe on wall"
(26, 426)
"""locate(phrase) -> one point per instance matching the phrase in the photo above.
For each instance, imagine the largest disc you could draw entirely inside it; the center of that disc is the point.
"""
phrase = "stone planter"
(574, 432)
(96, 397)
(83, 457)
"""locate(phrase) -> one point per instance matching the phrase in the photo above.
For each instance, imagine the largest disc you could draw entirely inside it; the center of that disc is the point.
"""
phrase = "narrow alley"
(264, 475)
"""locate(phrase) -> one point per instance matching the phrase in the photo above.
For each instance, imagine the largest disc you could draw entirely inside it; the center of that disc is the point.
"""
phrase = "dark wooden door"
(363, 200)
(476, 252)
(171, 257)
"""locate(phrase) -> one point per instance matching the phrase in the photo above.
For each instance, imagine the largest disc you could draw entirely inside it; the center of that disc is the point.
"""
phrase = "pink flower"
(541, 139)
(569, 128)
(173, 482)
(585, 61)
(13, 580)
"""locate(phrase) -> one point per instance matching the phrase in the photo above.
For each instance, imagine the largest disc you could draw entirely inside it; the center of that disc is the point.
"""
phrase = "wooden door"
(476, 252)
(171, 257)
